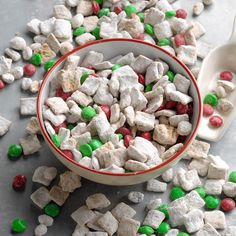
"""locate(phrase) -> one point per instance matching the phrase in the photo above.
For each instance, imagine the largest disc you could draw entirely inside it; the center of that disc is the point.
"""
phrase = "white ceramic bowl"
(111, 48)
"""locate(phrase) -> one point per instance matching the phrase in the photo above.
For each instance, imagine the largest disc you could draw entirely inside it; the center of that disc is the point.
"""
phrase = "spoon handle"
(232, 38)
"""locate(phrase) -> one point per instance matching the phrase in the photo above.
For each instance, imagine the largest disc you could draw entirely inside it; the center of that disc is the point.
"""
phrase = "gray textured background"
(14, 15)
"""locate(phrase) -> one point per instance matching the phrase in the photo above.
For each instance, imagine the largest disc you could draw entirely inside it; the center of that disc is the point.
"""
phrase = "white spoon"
(222, 58)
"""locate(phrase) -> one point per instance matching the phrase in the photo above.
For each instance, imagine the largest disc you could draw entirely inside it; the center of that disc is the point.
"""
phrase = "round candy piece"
(181, 108)
(95, 143)
(83, 77)
(164, 209)
(95, 7)
(179, 40)
(163, 228)
(216, 121)
(170, 75)
(208, 110)
(118, 10)
(212, 202)
(232, 177)
(99, 1)
(146, 230)
(124, 131)
(52, 209)
(19, 182)
(96, 33)
(116, 66)
(103, 12)
(181, 13)
(176, 192)
(226, 75)
(170, 104)
(170, 14)
(130, 9)
(227, 204)
(88, 113)
(49, 64)
(19, 225)
(127, 140)
(182, 234)
(56, 140)
(36, 59)
(79, 31)
(106, 109)
(141, 16)
(69, 154)
(86, 150)
(29, 70)
(147, 135)
(201, 191)
(14, 151)
(211, 99)
(2, 85)
(57, 128)
(141, 79)
(148, 88)
(149, 29)
(164, 42)
(120, 136)
(62, 94)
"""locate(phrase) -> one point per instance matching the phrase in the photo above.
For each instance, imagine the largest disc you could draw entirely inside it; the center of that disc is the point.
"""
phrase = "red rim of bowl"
(46, 136)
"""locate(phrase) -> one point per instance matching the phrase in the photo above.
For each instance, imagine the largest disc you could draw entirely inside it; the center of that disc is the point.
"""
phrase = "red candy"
(106, 109)
(170, 104)
(68, 153)
(227, 204)
(118, 10)
(2, 85)
(146, 135)
(190, 109)
(95, 75)
(141, 79)
(179, 40)
(216, 121)
(181, 13)
(226, 75)
(95, 7)
(127, 140)
(57, 128)
(208, 110)
(29, 70)
(181, 139)
(162, 107)
(124, 131)
(181, 108)
(19, 182)
(62, 94)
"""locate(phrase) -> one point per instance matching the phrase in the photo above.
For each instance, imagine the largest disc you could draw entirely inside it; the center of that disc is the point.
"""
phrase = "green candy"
(86, 150)
(212, 202)
(170, 75)
(49, 64)
(88, 113)
(103, 12)
(176, 192)
(201, 191)
(36, 59)
(148, 88)
(56, 140)
(116, 66)
(95, 143)
(96, 33)
(164, 42)
(14, 151)
(170, 14)
(52, 209)
(99, 1)
(78, 31)
(83, 77)
(182, 234)
(141, 16)
(232, 177)
(120, 136)
(149, 29)
(211, 99)
(130, 9)
(19, 225)
(146, 230)
(163, 228)
(70, 126)
(164, 209)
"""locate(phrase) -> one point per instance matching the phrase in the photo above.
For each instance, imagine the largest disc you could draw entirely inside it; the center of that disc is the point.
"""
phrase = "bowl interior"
(110, 49)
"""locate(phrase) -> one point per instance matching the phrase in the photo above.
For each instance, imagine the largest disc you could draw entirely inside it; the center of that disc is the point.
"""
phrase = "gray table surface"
(14, 15)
